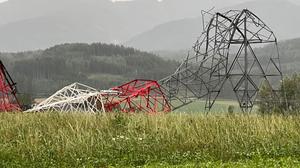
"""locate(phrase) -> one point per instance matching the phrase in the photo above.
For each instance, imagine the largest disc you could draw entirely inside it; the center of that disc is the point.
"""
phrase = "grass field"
(163, 140)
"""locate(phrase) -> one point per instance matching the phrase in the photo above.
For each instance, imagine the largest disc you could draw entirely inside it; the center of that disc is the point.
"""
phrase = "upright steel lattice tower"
(227, 51)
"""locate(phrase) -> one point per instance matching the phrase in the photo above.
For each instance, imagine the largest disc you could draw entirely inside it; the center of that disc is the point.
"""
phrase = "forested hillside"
(40, 73)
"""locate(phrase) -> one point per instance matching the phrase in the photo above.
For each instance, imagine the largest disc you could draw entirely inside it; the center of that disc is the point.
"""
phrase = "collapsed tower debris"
(8, 91)
(135, 96)
(226, 51)
(73, 98)
(138, 96)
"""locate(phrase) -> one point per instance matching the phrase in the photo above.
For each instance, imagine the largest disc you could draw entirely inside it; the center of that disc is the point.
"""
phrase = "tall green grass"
(87, 140)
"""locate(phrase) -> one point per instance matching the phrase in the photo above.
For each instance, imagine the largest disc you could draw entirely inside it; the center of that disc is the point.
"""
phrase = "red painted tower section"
(138, 96)
(8, 98)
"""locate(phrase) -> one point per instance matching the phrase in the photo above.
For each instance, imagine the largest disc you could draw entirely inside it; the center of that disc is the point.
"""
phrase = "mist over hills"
(279, 15)
(175, 35)
(58, 21)
(38, 24)
(34, 24)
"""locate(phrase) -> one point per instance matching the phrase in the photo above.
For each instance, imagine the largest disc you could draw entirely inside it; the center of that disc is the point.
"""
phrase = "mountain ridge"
(282, 27)
(98, 20)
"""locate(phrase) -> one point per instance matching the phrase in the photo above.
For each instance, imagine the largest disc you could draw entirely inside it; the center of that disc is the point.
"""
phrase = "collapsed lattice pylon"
(73, 98)
(8, 91)
(137, 96)
(226, 53)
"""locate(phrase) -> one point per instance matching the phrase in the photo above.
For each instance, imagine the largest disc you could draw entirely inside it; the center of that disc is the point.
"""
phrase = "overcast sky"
(237, 1)
(295, 1)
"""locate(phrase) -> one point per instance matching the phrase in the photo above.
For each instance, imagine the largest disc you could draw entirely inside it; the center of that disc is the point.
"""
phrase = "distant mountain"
(16, 10)
(38, 24)
(58, 21)
(279, 15)
(35, 24)
(176, 35)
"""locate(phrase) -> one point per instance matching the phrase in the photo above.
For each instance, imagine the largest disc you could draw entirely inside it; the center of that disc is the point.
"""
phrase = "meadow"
(142, 140)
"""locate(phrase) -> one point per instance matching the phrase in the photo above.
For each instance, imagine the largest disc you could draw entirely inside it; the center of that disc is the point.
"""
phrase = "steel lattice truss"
(226, 51)
(137, 96)
(8, 91)
(73, 98)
